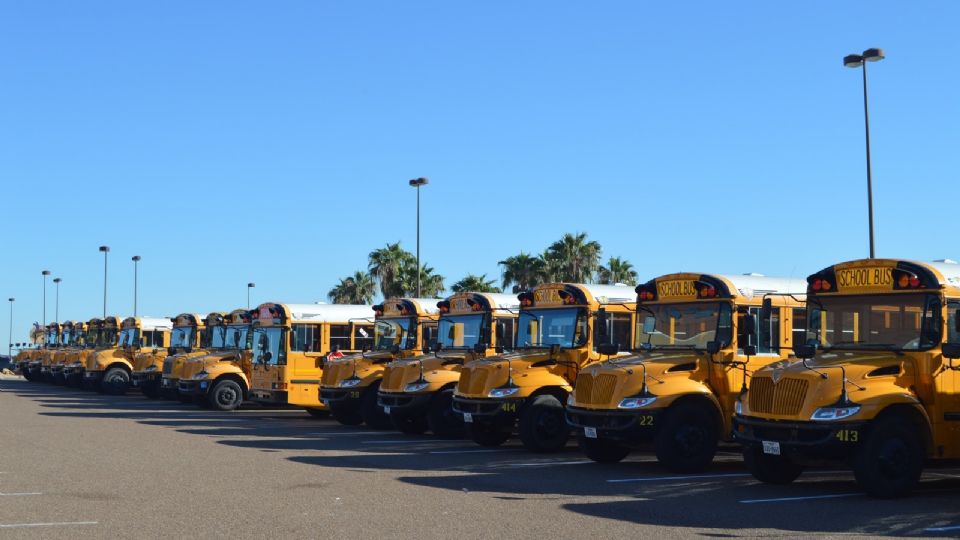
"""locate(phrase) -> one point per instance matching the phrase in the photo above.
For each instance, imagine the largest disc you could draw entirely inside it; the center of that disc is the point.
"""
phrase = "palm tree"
(356, 289)
(472, 283)
(576, 257)
(431, 285)
(386, 265)
(617, 270)
(523, 271)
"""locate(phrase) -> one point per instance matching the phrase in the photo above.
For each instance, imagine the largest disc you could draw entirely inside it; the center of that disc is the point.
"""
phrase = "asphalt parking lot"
(82, 465)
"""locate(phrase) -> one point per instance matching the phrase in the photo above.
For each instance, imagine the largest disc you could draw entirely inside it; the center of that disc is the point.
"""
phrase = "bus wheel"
(770, 469)
(318, 413)
(373, 414)
(347, 415)
(115, 381)
(543, 426)
(604, 450)
(409, 424)
(486, 434)
(226, 395)
(890, 461)
(687, 438)
(184, 398)
(150, 390)
(442, 419)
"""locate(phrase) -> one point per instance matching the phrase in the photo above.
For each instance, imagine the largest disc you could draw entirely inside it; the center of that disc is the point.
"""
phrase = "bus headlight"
(635, 402)
(416, 386)
(200, 375)
(835, 413)
(738, 407)
(503, 391)
(151, 368)
(349, 383)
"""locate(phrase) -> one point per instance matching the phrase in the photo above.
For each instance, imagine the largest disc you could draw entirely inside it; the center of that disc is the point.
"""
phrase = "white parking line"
(942, 529)
(20, 494)
(481, 451)
(402, 441)
(339, 433)
(807, 498)
(54, 524)
(684, 477)
(550, 463)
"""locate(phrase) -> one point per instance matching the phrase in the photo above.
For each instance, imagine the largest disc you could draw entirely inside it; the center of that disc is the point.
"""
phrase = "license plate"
(386, 410)
(772, 448)
(468, 418)
(590, 432)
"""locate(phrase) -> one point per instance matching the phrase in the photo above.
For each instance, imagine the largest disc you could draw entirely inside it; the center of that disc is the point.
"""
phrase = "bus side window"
(507, 330)
(429, 333)
(619, 327)
(362, 337)
(952, 335)
(305, 338)
(339, 337)
(768, 332)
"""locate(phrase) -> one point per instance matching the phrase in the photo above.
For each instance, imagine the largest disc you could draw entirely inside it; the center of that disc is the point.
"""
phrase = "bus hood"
(359, 365)
(527, 369)
(604, 384)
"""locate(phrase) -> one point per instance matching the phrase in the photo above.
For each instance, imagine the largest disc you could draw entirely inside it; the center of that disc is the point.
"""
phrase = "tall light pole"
(417, 182)
(56, 315)
(105, 250)
(10, 332)
(45, 273)
(135, 259)
(860, 61)
(249, 286)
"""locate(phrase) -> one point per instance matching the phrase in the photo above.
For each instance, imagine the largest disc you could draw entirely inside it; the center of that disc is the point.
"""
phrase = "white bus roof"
(950, 270)
(609, 294)
(427, 305)
(329, 312)
(750, 285)
(155, 323)
(497, 300)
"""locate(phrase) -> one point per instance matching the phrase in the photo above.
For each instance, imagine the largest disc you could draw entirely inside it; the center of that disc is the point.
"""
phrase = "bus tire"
(486, 434)
(372, 412)
(889, 463)
(150, 390)
(409, 424)
(347, 415)
(317, 413)
(604, 450)
(184, 398)
(543, 424)
(115, 381)
(226, 395)
(769, 469)
(686, 440)
(443, 421)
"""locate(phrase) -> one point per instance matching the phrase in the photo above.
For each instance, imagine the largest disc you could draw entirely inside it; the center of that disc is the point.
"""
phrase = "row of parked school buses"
(855, 365)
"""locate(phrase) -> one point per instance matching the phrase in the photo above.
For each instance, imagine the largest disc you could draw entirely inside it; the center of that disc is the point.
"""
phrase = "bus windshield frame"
(231, 337)
(395, 331)
(129, 337)
(182, 337)
(92, 339)
(566, 320)
(880, 318)
(475, 326)
(714, 317)
(108, 337)
(268, 339)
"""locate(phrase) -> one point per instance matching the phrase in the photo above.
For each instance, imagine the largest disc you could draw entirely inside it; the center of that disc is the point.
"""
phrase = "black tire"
(115, 381)
(226, 395)
(318, 413)
(408, 424)
(604, 450)
(686, 440)
(346, 414)
(442, 420)
(543, 425)
(372, 413)
(184, 398)
(59, 380)
(770, 469)
(486, 434)
(151, 390)
(889, 463)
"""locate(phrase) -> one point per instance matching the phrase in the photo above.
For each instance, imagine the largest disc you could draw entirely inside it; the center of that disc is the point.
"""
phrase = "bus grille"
(595, 390)
(783, 398)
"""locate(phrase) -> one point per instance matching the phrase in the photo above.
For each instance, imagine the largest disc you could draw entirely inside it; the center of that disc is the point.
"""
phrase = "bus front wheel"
(889, 463)
(543, 425)
(226, 395)
(770, 469)
(444, 422)
(346, 414)
(115, 381)
(687, 440)
(487, 434)
(604, 450)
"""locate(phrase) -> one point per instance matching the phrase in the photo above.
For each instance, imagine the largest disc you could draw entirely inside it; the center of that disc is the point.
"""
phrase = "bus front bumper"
(92, 377)
(270, 397)
(405, 402)
(503, 412)
(631, 427)
(192, 387)
(805, 440)
(341, 397)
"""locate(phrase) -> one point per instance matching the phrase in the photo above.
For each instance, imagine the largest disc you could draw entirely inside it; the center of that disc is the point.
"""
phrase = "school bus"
(417, 392)
(72, 334)
(557, 336)
(188, 340)
(148, 364)
(76, 359)
(402, 329)
(107, 341)
(693, 351)
(109, 370)
(51, 343)
(876, 386)
(221, 378)
(291, 343)
(23, 360)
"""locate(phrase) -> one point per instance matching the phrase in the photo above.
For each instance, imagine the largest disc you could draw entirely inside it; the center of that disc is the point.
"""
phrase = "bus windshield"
(684, 326)
(52, 337)
(129, 337)
(267, 345)
(395, 332)
(906, 322)
(93, 337)
(235, 336)
(462, 331)
(538, 328)
(182, 337)
(66, 338)
(108, 337)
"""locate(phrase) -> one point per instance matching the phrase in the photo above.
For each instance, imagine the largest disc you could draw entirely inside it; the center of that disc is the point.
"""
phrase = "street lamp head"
(45, 273)
(135, 258)
(11, 299)
(852, 61)
(417, 182)
(251, 285)
(57, 280)
(873, 55)
(105, 249)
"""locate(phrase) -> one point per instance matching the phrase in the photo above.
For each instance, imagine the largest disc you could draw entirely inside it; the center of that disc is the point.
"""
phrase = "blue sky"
(227, 142)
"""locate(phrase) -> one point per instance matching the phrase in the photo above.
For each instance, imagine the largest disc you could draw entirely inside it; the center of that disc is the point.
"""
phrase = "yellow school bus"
(51, 343)
(188, 340)
(148, 364)
(72, 334)
(106, 347)
(693, 351)
(877, 385)
(291, 343)
(76, 359)
(23, 359)
(109, 370)
(417, 392)
(403, 327)
(221, 379)
(557, 336)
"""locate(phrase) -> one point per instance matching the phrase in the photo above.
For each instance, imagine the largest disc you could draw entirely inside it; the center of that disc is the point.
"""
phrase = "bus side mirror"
(554, 349)
(602, 319)
(749, 322)
(766, 310)
(499, 333)
(713, 347)
(608, 349)
(437, 346)
(951, 350)
(426, 348)
(956, 321)
(480, 348)
(806, 351)
(649, 324)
